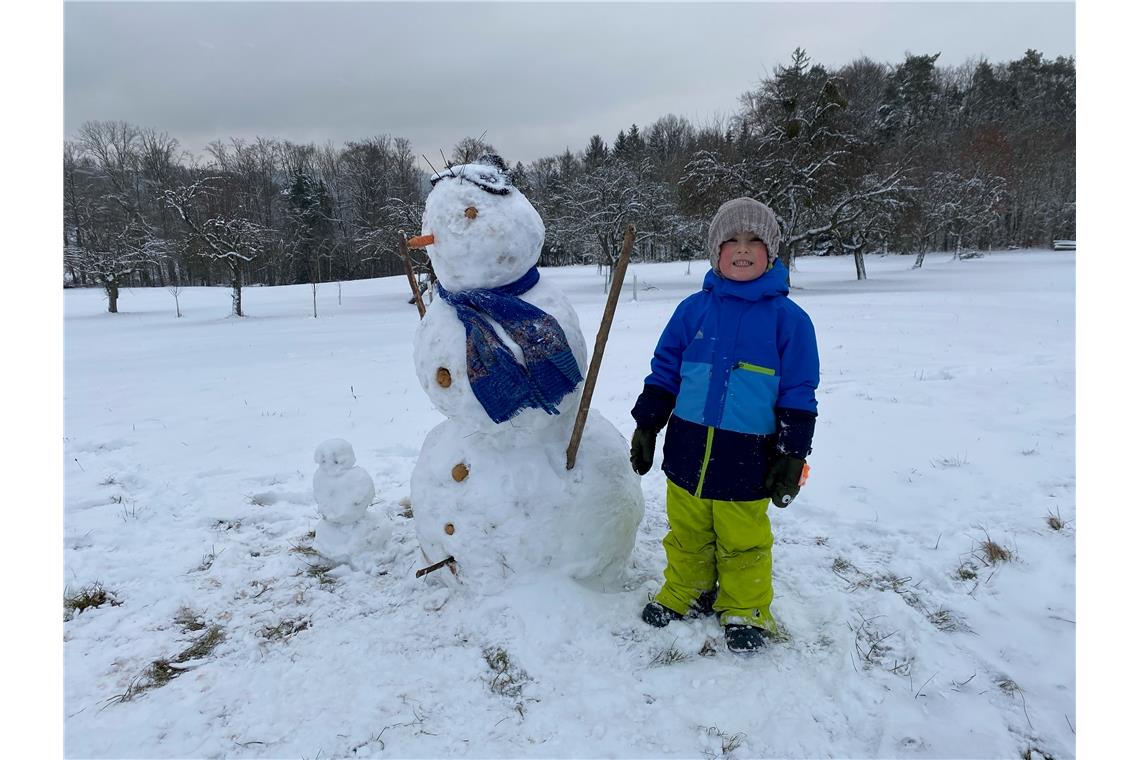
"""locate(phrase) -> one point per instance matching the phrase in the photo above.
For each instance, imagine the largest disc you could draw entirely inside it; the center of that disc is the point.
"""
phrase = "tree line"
(865, 157)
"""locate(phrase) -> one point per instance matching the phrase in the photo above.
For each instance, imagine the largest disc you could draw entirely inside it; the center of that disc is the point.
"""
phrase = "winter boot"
(658, 615)
(703, 606)
(745, 638)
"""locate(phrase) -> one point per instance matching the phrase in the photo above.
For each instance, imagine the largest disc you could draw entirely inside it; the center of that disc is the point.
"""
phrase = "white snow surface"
(946, 420)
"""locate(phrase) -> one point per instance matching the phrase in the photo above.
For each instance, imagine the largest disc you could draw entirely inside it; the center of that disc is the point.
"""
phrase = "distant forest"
(865, 158)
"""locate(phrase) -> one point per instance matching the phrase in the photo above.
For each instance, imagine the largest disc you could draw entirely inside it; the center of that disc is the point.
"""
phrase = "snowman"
(500, 354)
(347, 532)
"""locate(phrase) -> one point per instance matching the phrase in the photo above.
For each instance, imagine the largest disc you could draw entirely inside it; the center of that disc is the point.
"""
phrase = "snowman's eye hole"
(471, 212)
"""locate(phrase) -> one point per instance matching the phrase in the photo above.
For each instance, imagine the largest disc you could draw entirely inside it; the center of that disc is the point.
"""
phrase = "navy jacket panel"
(737, 462)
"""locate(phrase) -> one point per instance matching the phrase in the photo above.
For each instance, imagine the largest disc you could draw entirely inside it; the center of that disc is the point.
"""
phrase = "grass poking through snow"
(321, 573)
(189, 620)
(508, 679)
(285, 629)
(993, 552)
(87, 597)
(990, 553)
(165, 669)
(669, 656)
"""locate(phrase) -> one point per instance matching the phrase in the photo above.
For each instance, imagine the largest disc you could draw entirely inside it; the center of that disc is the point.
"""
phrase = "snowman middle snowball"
(496, 496)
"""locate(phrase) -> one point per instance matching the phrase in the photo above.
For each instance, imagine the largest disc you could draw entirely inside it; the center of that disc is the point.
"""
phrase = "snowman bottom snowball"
(506, 506)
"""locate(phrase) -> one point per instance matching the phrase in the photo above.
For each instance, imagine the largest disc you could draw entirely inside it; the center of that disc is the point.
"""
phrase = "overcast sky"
(535, 77)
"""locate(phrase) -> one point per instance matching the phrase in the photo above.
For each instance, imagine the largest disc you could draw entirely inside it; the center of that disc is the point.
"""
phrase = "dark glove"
(641, 450)
(784, 479)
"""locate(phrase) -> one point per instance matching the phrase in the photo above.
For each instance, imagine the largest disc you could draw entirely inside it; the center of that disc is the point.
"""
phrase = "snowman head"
(486, 233)
(335, 455)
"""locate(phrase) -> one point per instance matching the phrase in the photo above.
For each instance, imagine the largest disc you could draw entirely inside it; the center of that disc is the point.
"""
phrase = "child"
(734, 375)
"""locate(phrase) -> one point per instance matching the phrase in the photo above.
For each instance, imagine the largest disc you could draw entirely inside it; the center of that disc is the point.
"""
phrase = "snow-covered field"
(946, 436)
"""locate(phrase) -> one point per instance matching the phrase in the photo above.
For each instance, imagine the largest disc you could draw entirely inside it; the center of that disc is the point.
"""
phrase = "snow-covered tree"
(958, 207)
(380, 195)
(792, 151)
(401, 218)
(596, 208)
(219, 235)
(108, 237)
(109, 255)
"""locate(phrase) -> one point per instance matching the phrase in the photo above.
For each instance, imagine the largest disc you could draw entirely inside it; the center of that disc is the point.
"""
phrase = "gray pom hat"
(743, 215)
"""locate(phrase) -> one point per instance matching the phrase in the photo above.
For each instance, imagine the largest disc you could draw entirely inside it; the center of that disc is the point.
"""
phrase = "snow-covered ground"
(947, 420)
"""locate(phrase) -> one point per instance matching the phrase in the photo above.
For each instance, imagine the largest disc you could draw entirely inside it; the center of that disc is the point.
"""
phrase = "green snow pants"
(711, 541)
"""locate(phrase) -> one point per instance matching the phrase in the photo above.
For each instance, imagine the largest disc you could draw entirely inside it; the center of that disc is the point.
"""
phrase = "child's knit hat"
(743, 215)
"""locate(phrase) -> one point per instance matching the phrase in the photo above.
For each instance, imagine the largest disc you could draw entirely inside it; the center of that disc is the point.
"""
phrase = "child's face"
(743, 257)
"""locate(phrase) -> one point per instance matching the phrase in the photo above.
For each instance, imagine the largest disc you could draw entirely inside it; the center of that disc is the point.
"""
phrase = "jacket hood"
(774, 282)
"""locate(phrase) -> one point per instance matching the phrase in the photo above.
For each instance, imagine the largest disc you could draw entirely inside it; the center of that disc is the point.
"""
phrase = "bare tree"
(853, 216)
(174, 287)
(957, 206)
(230, 239)
(597, 206)
(109, 255)
(470, 148)
(401, 218)
(107, 237)
(114, 147)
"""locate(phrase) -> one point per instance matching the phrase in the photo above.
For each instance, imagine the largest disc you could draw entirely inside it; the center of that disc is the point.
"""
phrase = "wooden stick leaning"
(411, 276)
(450, 561)
(599, 348)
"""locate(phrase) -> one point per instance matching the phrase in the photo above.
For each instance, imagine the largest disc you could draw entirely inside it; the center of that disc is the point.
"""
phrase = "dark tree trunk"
(314, 278)
(235, 270)
(785, 257)
(112, 289)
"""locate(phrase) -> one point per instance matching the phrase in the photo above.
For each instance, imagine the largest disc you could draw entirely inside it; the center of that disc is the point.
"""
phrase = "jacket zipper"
(755, 368)
(705, 463)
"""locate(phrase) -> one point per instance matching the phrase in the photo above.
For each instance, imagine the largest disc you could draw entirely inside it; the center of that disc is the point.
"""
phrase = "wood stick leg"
(432, 568)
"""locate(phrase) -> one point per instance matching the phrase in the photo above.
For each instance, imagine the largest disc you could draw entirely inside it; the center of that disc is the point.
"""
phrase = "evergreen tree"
(632, 148)
(596, 153)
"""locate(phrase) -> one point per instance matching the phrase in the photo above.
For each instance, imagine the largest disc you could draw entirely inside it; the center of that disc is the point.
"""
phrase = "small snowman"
(500, 353)
(347, 532)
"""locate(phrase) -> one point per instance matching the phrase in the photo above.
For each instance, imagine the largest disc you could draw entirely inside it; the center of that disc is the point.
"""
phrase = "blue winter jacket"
(734, 375)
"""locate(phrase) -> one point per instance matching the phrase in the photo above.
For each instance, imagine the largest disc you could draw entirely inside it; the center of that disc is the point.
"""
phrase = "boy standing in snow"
(734, 376)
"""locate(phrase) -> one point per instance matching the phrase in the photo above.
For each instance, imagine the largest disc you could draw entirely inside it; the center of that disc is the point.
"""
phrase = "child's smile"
(743, 257)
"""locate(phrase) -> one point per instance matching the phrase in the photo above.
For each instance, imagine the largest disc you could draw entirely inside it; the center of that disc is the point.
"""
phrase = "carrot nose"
(421, 241)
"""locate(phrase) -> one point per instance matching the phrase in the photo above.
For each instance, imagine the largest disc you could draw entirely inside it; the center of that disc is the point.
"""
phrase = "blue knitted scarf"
(503, 386)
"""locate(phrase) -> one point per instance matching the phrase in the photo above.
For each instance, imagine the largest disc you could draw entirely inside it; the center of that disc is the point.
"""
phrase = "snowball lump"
(359, 544)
